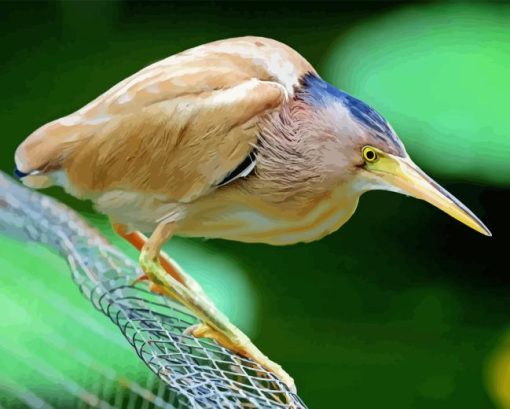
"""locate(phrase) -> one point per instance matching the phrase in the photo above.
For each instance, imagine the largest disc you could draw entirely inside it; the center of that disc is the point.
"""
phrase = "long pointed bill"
(408, 178)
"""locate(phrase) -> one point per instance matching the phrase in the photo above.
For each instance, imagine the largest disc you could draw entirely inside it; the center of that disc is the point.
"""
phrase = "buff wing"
(177, 127)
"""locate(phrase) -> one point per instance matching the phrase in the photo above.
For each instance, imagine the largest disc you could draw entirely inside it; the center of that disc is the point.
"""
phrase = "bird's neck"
(294, 157)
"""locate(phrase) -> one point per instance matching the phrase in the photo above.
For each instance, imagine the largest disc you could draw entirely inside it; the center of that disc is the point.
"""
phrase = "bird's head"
(362, 145)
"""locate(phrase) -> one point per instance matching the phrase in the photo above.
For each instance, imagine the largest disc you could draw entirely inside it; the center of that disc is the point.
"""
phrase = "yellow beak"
(408, 178)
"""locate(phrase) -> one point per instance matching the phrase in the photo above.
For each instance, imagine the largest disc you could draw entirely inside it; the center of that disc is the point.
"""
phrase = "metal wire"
(198, 373)
(109, 389)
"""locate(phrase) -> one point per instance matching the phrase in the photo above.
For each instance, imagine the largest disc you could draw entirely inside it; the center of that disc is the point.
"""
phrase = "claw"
(194, 330)
(202, 330)
(139, 279)
(153, 287)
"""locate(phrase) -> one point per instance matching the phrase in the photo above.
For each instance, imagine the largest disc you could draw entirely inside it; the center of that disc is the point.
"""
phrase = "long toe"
(242, 345)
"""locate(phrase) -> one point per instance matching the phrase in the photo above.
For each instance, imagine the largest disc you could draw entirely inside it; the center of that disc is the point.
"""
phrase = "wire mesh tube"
(198, 373)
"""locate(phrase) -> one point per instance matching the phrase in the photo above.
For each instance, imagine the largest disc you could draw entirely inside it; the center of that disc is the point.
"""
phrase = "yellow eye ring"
(369, 154)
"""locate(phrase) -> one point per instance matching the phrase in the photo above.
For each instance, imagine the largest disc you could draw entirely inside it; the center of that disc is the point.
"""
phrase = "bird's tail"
(40, 157)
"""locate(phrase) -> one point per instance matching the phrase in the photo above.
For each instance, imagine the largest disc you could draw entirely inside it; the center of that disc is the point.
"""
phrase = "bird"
(238, 139)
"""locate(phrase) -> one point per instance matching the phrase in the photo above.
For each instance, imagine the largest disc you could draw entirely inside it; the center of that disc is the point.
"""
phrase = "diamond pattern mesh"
(196, 373)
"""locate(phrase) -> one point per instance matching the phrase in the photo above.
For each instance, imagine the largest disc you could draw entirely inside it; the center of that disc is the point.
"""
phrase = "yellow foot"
(242, 345)
(152, 272)
(214, 325)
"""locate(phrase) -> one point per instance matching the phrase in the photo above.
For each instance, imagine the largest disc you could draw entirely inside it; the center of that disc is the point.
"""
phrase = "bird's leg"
(214, 323)
(138, 240)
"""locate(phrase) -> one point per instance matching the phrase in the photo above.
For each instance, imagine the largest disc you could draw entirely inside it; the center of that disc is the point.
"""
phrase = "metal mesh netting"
(197, 373)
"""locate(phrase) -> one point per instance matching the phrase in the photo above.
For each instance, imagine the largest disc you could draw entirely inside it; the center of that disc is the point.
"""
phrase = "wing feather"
(177, 127)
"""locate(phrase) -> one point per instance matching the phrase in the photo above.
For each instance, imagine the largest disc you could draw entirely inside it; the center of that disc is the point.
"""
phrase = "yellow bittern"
(238, 139)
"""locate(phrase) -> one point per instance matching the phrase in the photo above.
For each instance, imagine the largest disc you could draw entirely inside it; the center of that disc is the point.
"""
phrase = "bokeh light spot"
(439, 73)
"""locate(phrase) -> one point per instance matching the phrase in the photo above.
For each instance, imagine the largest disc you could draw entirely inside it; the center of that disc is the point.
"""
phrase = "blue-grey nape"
(314, 90)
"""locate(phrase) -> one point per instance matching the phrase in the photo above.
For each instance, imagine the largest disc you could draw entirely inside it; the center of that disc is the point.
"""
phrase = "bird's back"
(176, 126)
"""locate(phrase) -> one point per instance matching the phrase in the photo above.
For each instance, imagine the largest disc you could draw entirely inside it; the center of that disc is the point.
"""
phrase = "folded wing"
(177, 127)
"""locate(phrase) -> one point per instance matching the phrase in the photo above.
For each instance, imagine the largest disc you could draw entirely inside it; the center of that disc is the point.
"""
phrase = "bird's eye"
(369, 154)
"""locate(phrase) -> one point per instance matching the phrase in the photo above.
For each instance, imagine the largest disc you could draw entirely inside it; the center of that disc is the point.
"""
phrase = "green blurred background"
(403, 307)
